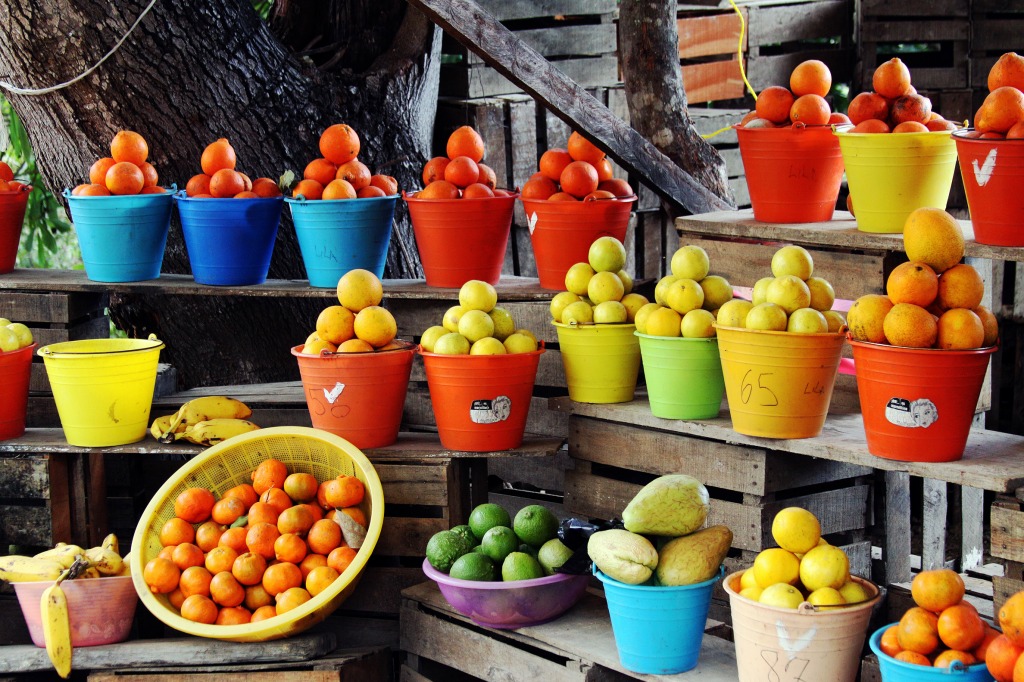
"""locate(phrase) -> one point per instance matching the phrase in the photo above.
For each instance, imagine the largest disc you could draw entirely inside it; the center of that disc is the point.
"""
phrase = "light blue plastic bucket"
(898, 671)
(658, 630)
(229, 241)
(122, 238)
(339, 235)
(684, 376)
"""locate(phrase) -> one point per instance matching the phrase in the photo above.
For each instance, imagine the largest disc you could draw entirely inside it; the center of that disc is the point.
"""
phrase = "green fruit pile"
(598, 291)
(477, 326)
(494, 546)
(687, 300)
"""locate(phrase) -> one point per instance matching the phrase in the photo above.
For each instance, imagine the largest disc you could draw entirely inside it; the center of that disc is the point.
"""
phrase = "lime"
(499, 542)
(553, 554)
(526, 549)
(473, 566)
(487, 516)
(520, 566)
(467, 534)
(444, 548)
(479, 550)
(535, 525)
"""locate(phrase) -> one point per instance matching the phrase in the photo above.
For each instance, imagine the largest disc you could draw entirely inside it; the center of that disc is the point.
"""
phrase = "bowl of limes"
(500, 572)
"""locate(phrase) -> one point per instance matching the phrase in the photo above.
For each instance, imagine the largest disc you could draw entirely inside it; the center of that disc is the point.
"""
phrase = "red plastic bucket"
(562, 231)
(793, 173)
(12, 216)
(15, 370)
(461, 239)
(481, 402)
(993, 173)
(918, 403)
(358, 396)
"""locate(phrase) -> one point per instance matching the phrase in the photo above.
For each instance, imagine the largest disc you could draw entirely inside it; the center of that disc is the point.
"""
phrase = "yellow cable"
(743, 72)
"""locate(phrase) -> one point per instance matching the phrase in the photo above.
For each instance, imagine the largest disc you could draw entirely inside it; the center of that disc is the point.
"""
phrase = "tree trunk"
(193, 72)
(648, 55)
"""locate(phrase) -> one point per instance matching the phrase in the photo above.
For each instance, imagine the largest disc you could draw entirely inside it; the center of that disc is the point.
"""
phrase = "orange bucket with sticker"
(481, 402)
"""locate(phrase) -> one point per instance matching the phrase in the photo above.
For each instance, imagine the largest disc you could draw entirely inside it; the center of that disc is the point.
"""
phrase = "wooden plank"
(1007, 533)
(897, 527)
(701, 36)
(379, 590)
(924, 8)
(933, 532)
(772, 69)
(508, 10)
(96, 328)
(563, 41)
(26, 478)
(29, 526)
(997, 34)
(415, 484)
(1003, 589)
(712, 81)
(53, 308)
(407, 536)
(483, 80)
(931, 30)
(769, 25)
(972, 528)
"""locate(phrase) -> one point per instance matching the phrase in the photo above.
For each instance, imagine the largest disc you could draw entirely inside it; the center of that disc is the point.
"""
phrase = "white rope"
(42, 91)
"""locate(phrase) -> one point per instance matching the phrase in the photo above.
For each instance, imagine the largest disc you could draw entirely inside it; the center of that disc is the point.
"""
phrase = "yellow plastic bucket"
(601, 361)
(790, 645)
(103, 388)
(892, 175)
(778, 384)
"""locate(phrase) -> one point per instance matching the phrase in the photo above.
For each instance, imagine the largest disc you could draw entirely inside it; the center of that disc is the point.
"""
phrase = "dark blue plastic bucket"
(658, 629)
(123, 237)
(229, 241)
(338, 235)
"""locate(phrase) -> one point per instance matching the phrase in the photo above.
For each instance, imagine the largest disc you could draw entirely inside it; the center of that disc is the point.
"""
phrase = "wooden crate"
(36, 502)
(996, 26)
(577, 36)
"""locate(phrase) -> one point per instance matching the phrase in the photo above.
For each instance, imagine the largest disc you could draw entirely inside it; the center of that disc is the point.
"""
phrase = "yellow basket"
(230, 463)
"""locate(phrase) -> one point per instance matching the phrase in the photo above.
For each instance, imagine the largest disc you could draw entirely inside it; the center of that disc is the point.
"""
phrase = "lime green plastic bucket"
(103, 388)
(684, 376)
(892, 175)
(601, 361)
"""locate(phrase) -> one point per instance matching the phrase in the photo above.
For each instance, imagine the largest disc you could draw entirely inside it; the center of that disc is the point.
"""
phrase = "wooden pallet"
(996, 27)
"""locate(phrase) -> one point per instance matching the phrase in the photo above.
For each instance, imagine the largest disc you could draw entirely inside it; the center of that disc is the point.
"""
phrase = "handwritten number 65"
(747, 389)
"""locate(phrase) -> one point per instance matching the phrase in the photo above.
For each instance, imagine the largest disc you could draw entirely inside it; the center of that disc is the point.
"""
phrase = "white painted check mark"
(333, 394)
(983, 174)
(793, 647)
(531, 222)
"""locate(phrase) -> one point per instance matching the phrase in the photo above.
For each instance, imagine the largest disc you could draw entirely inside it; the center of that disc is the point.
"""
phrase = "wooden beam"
(465, 21)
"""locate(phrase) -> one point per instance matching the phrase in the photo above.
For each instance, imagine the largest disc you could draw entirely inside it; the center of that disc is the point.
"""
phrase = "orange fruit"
(167, 553)
(290, 547)
(256, 596)
(161, 575)
(233, 615)
(937, 124)
(811, 77)
(487, 176)
(910, 326)
(912, 657)
(216, 156)
(311, 189)
(176, 531)
(836, 118)
(811, 110)
(553, 162)
(910, 127)
(1011, 618)
(773, 104)
(891, 79)
(319, 579)
(130, 147)
(220, 559)
(1008, 70)
(6, 174)
(946, 658)
(934, 237)
(248, 568)
(265, 187)
(981, 651)
(91, 191)
(176, 598)
(1000, 658)
(889, 642)
(477, 190)
(321, 170)
(194, 504)
(604, 171)
(323, 537)
(198, 184)
(263, 613)
(617, 186)
(349, 492)
(260, 539)
(937, 590)
(276, 498)
(339, 189)
(227, 510)
(149, 175)
(462, 171)
(195, 580)
(465, 141)
(385, 183)
(368, 192)
(356, 514)
(311, 561)
(439, 189)
(910, 108)
(226, 183)
(226, 590)
(340, 558)
(961, 287)
(867, 106)
(339, 143)
(918, 631)
(270, 473)
(582, 149)
(280, 577)
(871, 126)
(960, 329)
(262, 512)
(912, 282)
(200, 609)
(1001, 109)
(539, 188)
(291, 598)
(579, 179)
(866, 318)
(208, 535)
(433, 170)
(989, 323)
(97, 172)
(124, 178)
(335, 324)
(187, 555)
(960, 627)
(234, 538)
(355, 173)
(301, 486)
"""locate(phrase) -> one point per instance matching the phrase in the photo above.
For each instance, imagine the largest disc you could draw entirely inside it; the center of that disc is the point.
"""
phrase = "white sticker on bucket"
(490, 411)
(334, 393)
(911, 413)
(983, 174)
(531, 222)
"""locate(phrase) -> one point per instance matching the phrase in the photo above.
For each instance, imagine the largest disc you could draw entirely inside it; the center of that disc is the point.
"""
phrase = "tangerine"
(220, 559)
(130, 147)
(323, 537)
(465, 141)
(227, 510)
(200, 609)
(176, 531)
(260, 539)
(233, 615)
(291, 598)
(339, 143)
(280, 577)
(226, 590)
(319, 579)
(208, 535)
(194, 504)
(124, 178)
(582, 149)
(195, 580)
(248, 568)
(774, 103)
(161, 575)
(187, 555)
(216, 156)
(270, 473)
(321, 170)
(891, 79)
(355, 172)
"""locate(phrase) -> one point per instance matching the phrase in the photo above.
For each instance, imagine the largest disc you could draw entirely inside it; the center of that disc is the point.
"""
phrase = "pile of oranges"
(359, 324)
(802, 102)
(220, 180)
(944, 628)
(894, 106)
(259, 551)
(461, 174)
(125, 171)
(7, 181)
(580, 172)
(932, 301)
(1001, 115)
(339, 174)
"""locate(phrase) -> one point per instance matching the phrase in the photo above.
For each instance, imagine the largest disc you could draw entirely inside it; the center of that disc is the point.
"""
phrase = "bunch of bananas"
(204, 421)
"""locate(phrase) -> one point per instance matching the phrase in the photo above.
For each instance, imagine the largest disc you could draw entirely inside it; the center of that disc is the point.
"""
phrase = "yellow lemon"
(792, 260)
(752, 593)
(478, 295)
(664, 322)
(640, 318)
(747, 579)
(796, 529)
(826, 596)
(824, 566)
(733, 313)
(782, 595)
(358, 289)
(776, 565)
(853, 592)
(375, 325)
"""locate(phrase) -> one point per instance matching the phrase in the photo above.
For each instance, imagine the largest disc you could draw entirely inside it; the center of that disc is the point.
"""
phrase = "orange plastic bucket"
(918, 403)
(461, 239)
(12, 216)
(358, 396)
(561, 232)
(481, 402)
(993, 173)
(15, 372)
(793, 173)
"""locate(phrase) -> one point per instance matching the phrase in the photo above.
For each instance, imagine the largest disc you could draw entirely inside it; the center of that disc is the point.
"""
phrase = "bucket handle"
(47, 351)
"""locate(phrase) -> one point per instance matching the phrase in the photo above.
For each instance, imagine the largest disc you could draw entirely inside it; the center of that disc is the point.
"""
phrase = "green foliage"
(262, 7)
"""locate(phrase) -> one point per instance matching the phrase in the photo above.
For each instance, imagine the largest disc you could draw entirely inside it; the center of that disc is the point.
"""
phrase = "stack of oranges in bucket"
(461, 173)
(338, 173)
(220, 179)
(579, 172)
(259, 551)
(358, 324)
(125, 171)
(894, 105)
(1001, 114)
(802, 102)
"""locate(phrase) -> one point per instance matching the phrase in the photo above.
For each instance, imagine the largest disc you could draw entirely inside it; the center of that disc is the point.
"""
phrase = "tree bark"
(193, 72)
(648, 55)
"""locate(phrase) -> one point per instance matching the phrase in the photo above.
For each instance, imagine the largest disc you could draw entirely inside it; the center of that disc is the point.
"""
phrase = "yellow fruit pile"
(598, 291)
(477, 326)
(933, 300)
(13, 335)
(686, 301)
(359, 324)
(804, 567)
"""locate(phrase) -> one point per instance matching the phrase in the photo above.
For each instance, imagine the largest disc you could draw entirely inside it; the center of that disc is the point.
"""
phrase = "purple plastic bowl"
(510, 605)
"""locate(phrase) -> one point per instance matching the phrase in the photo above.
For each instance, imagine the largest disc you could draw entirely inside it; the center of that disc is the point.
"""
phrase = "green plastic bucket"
(684, 376)
(601, 361)
(103, 388)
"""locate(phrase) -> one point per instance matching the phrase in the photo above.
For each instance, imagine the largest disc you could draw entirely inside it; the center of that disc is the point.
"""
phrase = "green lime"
(479, 550)
(520, 566)
(499, 542)
(487, 516)
(526, 549)
(553, 554)
(444, 548)
(535, 525)
(473, 566)
(467, 534)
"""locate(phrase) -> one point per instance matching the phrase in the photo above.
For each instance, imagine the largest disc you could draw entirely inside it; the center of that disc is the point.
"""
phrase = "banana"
(126, 564)
(110, 542)
(64, 554)
(19, 569)
(106, 561)
(91, 572)
(162, 425)
(204, 409)
(57, 626)
(213, 431)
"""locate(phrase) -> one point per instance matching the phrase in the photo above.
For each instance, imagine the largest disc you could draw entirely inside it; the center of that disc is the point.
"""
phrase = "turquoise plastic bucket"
(898, 671)
(229, 241)
(122, 237)
(339, 235)
(658, 629)
(684, 376)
